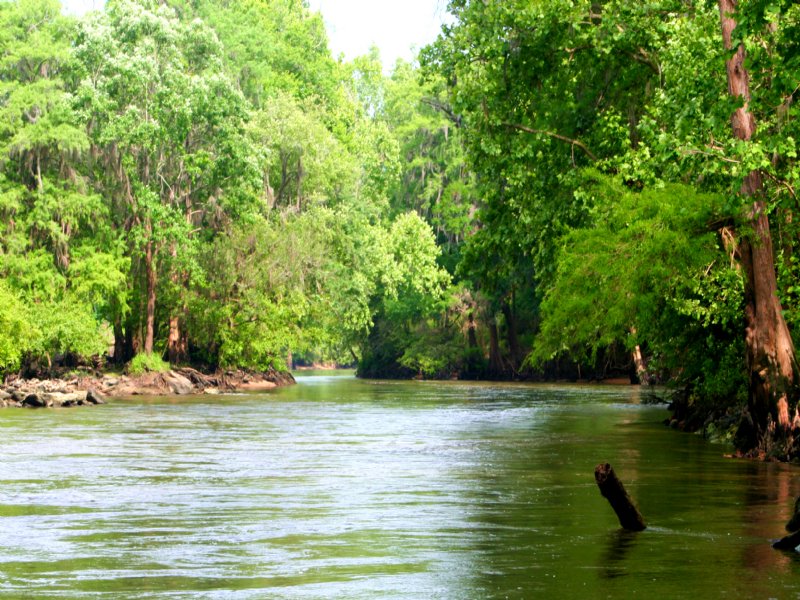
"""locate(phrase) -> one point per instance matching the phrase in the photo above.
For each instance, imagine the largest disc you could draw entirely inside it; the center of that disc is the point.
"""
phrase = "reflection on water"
(338, 488)
(617, 551)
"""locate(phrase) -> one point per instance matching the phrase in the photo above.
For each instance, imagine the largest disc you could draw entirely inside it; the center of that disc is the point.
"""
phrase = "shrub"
(15, 330)
(144, 363)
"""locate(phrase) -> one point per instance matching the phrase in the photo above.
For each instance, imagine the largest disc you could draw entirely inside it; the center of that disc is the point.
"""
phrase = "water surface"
(339, 488)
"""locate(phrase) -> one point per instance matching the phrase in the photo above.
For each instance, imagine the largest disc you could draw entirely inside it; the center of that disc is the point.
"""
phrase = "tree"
(169, 148)
(435, 180)
(771, 359)
(649, 271)
(412, 291)
(302, 161)
(541, 90)
(59, 261)
(547, 90)
(272, 47)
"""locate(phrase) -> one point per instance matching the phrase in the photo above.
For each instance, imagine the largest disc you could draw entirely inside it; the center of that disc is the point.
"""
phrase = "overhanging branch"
(441, 107)
(552, 134)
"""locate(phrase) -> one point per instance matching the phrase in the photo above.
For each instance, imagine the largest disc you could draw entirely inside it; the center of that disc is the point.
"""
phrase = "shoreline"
(92, 390)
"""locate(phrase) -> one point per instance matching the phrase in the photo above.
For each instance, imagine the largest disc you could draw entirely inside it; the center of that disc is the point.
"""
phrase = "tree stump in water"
(612, 490)
(790, 542)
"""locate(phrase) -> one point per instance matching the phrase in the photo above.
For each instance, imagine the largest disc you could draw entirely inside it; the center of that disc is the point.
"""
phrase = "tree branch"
(436, 105)
(695, 151)
(551, 134)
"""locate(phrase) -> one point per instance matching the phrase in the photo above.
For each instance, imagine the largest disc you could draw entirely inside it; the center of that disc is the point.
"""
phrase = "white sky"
(395, 26)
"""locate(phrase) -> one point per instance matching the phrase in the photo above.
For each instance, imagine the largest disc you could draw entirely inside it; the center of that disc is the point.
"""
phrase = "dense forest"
(558, 190)
(204, 182)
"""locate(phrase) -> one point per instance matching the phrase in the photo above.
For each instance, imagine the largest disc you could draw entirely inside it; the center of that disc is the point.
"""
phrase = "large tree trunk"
(133, 337)
(771, 358)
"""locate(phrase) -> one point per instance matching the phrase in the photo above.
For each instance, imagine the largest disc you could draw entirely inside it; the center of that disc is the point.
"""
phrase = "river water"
(341, 488)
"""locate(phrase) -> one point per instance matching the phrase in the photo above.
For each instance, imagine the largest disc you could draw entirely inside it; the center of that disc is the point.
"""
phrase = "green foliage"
(434, 180)
(271, 46)
(68, 326)
(413, 283)
(382, 351)
(147, 363)
(434, 352)
(649, 272)
(302, 161)
(49, 276)
(552, 94)
(16, 331)
(617, 275)
(310, 282)
(788, 271)
(413, 292)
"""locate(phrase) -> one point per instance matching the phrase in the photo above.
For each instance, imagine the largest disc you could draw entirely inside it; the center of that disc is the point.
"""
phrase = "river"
(341, 488)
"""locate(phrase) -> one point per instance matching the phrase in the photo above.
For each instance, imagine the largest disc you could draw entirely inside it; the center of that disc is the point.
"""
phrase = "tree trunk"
(39, 180)
(495, 359)
(150, 319)
(299, 181)
(177, 346)
(771, 358)
(284, 177)
(133, 337)
(639, 365)
(119, 342)
(472, 338)
(639, 362)
(174, 354)
(511, 335)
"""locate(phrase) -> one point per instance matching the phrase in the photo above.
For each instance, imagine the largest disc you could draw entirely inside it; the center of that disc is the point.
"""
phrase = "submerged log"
(612, 490)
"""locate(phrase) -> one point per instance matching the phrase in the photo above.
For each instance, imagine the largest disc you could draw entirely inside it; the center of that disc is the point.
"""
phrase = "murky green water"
(338, 488)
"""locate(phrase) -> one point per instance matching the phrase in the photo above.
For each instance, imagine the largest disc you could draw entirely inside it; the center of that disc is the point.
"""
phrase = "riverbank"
(89, 390)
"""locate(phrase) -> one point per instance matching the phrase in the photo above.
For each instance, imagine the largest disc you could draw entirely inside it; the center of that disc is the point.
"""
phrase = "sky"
(395, 26)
